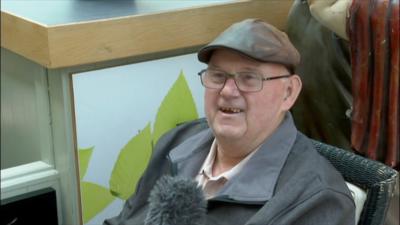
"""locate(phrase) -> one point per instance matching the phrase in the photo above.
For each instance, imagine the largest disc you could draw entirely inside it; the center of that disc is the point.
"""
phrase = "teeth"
(232, 110)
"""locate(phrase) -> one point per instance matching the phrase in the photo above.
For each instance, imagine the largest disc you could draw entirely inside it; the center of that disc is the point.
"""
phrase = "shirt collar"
(206, 169)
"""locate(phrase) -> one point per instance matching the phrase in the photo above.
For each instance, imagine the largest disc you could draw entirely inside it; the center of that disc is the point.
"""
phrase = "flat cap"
(255, 39)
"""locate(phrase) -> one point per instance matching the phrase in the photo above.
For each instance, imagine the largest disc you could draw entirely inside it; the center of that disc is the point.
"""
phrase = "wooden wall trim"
(102, 40)
(25, 38)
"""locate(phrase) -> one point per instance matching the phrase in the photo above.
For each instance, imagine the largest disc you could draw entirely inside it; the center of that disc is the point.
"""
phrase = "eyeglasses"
(245, 81)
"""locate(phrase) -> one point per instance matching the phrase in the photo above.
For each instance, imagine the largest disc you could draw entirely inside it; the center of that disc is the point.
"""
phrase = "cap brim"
(204, 54)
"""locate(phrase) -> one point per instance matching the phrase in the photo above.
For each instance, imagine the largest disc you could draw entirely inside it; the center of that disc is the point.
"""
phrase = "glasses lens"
(249, 82)
(245, 81)
(213, 78)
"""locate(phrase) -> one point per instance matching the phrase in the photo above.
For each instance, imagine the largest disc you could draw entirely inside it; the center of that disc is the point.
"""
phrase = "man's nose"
(230, 88)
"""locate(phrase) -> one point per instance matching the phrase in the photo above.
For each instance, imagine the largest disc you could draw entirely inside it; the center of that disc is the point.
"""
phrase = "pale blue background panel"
(112, 105)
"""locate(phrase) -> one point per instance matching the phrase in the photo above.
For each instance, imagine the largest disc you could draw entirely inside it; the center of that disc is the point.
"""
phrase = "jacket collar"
(188, 157)
(256, 182)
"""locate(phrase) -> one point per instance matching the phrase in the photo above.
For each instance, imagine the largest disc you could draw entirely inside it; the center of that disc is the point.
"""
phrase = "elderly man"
(252, 163)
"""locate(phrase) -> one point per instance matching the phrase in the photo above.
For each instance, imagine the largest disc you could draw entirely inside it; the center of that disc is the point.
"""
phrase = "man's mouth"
(230, 110)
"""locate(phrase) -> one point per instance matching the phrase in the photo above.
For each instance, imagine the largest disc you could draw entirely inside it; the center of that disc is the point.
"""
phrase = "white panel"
(64, 144)
(25, 118)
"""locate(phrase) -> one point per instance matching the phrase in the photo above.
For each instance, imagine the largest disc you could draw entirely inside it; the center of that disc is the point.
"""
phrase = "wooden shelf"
(91, 41)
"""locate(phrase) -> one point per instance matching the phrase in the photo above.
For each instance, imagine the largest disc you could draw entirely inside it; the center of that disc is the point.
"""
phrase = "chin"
(228, 132)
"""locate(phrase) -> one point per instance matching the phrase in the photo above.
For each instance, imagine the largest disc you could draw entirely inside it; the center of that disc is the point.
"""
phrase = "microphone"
(176, 201)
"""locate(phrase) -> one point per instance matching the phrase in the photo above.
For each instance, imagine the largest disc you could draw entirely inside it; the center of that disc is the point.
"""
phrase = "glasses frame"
(235, 75)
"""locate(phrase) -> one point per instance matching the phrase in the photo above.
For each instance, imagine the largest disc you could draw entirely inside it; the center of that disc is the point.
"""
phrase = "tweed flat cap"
(256, 39)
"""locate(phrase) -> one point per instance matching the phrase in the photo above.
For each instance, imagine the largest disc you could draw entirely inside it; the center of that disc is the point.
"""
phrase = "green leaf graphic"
(84, 158)
(94, 199)
(130, 165)
(177, 107)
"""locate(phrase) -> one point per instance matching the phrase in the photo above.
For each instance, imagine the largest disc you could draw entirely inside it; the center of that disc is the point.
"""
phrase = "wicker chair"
(377, 179)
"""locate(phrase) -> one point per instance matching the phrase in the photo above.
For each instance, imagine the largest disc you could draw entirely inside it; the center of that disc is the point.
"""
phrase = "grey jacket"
(307, 189)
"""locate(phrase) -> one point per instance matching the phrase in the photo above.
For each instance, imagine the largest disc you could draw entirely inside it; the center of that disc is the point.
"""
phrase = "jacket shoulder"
(307, 166)
(179, 134)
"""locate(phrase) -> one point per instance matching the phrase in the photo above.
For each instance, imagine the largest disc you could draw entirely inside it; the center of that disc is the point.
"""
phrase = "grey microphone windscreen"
(176, 201)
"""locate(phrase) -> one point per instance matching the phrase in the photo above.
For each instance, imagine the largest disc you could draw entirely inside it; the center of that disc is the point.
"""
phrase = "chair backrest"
(376, 178)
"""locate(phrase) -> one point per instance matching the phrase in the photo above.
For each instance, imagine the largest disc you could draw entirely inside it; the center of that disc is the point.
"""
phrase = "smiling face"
(246, 117)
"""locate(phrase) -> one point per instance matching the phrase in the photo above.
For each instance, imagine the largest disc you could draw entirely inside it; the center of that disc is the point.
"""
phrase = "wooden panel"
(102, 40)
(25, 38)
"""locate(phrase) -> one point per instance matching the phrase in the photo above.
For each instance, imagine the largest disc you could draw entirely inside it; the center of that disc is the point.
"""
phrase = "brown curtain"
(373, 29)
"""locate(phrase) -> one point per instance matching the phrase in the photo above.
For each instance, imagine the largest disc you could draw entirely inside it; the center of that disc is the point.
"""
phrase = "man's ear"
(292, 91)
